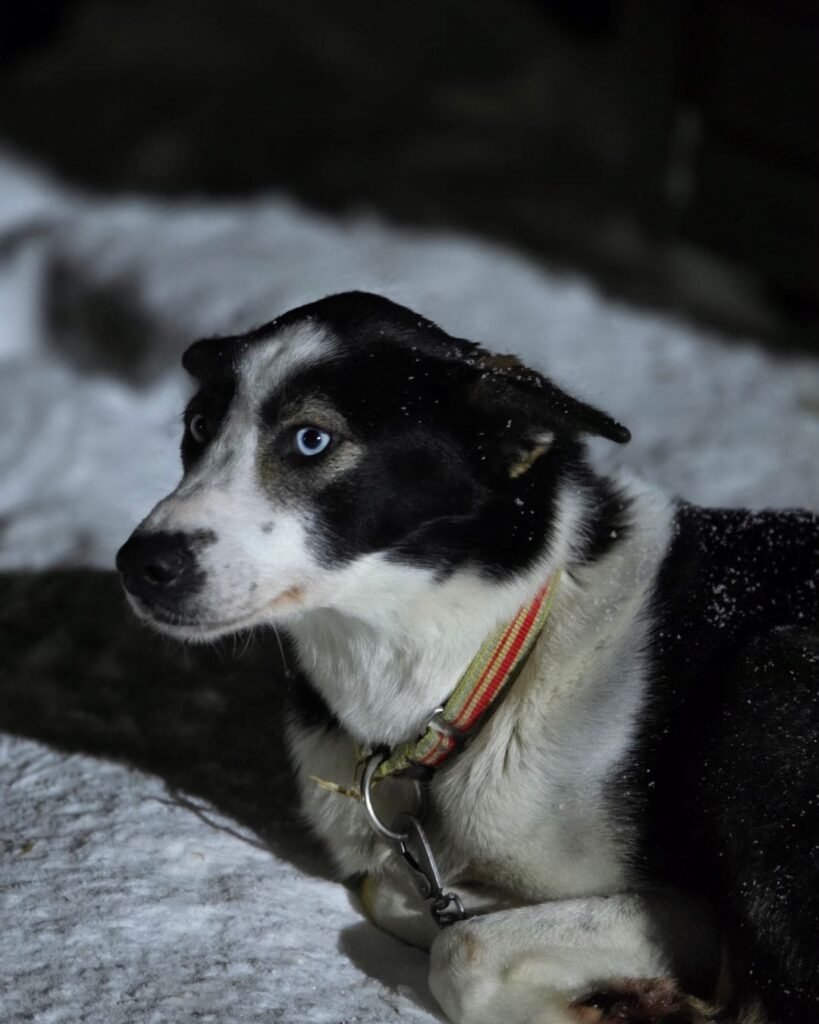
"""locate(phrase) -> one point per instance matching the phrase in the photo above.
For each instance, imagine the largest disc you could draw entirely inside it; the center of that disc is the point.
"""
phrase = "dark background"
(668, 147)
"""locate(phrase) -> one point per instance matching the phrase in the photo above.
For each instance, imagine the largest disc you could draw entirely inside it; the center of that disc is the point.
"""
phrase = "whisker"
(287, 671)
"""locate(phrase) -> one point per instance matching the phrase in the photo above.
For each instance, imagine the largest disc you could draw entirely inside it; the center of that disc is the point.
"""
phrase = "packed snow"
(125, 898)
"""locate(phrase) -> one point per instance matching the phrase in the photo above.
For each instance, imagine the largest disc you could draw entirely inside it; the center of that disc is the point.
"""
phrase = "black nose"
(157, 566)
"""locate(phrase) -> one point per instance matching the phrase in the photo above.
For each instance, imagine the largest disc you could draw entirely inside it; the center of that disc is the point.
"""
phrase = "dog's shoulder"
(728, 577)
(729, 574)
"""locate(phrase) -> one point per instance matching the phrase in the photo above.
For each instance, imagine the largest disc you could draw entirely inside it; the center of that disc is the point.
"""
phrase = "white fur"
(260, 569)
(267, 364)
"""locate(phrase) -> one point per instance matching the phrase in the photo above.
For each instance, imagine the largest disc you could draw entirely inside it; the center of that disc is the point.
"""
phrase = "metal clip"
(422, 864)
(412, 845)
(414, 849)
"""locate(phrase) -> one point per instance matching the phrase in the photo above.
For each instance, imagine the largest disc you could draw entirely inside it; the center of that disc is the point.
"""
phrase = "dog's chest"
(533, 821)
(529, 805)
(535, 816)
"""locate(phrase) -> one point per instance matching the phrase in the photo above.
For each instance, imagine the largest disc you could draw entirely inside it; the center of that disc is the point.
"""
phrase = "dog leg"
(536, 964)
(391, 903)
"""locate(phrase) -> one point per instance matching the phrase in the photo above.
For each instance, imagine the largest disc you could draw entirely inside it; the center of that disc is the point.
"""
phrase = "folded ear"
(505, 381)
(530, 411)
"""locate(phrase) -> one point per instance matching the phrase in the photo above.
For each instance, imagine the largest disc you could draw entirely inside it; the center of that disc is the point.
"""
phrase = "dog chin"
(191, 629)
(201, 630)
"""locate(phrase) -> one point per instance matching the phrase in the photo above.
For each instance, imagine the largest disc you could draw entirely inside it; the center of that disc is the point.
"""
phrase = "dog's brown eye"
(199, 428)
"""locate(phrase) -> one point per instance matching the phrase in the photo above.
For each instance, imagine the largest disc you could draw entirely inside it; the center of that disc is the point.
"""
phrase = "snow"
(123, 906)
(122, 898)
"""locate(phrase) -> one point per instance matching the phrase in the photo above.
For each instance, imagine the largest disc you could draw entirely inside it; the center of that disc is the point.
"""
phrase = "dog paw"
(472, 987)
(393, 906)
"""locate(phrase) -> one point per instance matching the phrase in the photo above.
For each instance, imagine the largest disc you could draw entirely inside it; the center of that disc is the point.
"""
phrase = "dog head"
(343, 442)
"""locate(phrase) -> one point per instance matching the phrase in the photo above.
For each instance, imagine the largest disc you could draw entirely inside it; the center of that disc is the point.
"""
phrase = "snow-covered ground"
(122, 899)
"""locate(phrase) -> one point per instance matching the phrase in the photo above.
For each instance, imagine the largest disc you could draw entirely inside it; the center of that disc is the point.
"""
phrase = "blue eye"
(311, 441)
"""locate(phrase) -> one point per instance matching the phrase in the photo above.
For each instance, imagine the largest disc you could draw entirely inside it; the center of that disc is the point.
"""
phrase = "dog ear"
(206, 358)
(532, 410)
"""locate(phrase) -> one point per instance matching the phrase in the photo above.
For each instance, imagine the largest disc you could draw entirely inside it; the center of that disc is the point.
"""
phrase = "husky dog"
(638, 816)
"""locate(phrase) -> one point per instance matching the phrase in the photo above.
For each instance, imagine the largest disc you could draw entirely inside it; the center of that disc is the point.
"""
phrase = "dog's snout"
(154, 564)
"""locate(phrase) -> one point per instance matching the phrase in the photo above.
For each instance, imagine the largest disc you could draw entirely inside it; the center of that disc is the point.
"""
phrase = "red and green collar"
(489, 675)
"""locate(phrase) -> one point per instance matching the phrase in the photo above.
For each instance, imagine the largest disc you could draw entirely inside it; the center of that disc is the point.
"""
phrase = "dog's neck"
(396, 642)
(384, 673)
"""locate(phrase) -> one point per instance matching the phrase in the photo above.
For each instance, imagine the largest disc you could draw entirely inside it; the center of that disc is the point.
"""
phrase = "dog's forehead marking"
(265, 366)
(230, 461)
(229, 457)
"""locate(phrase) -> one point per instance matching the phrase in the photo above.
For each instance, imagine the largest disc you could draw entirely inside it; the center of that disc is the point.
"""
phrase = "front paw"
(394, 907)
(474, 987)
(476, 984)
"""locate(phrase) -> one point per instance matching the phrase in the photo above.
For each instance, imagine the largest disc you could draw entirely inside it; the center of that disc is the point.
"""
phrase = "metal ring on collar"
(444, 726)
(370, 769)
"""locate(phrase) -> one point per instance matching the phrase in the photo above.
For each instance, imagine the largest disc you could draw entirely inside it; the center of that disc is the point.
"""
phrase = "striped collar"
(489, 675)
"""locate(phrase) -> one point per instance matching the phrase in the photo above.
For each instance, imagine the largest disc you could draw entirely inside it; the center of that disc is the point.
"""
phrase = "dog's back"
(731, 739)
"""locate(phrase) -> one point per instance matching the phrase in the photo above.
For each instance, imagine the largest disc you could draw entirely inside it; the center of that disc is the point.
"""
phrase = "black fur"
(725, 776)
(443, 422)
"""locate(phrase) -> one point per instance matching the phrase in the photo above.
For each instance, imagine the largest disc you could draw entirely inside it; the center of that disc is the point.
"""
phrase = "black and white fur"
(645, 801)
